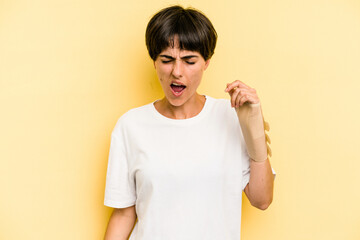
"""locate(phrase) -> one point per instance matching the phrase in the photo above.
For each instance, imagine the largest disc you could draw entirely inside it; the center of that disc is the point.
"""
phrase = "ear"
(207, 62)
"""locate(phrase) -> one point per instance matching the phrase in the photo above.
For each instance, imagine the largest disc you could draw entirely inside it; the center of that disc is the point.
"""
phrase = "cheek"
(159, 75)
(197, 75)
(162, 72)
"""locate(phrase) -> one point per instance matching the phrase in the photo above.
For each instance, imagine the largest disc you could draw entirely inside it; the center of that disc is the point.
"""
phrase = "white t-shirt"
(185, 177)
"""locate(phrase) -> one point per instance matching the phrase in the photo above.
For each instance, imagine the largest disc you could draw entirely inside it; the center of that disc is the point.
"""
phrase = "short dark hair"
(194, 30)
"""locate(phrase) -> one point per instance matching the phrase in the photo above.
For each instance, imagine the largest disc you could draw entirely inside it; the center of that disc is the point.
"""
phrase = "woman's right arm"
(121, 223)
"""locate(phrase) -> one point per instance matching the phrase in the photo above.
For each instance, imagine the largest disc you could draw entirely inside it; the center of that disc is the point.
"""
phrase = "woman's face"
(180, 72)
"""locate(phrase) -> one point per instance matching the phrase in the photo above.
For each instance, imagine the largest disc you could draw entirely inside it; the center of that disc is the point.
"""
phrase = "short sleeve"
(120, 189)
(246, 173)
(245, 167)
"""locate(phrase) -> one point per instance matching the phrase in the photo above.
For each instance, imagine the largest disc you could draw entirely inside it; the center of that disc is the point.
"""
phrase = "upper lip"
(178, 83)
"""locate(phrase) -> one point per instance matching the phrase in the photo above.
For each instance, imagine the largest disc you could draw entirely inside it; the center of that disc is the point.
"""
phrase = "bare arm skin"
(121, 223)
(259, 190)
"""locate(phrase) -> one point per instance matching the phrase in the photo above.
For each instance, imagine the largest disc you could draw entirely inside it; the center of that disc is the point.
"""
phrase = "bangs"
(189, 36)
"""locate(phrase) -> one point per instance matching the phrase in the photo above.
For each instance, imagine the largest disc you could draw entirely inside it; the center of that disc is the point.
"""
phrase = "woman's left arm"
(259, 190)
(244, 99)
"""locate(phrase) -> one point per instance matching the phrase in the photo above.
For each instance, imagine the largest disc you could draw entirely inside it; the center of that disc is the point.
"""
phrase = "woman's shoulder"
(219, 104)
(138, 111)
(134, 116)
(221, 109)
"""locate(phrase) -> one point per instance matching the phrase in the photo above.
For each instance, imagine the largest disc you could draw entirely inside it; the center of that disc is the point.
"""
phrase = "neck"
(189, 109)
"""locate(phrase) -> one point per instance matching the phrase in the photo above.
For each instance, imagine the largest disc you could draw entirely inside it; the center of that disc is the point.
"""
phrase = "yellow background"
(69, 69)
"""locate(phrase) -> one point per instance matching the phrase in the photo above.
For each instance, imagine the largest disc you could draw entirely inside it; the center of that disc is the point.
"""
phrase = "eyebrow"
(185, 57)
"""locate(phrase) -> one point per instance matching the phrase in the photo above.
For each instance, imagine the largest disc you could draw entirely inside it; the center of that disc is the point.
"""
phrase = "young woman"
(179, 165)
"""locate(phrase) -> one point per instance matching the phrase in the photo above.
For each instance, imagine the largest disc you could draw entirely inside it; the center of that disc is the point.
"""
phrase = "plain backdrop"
(70, 69)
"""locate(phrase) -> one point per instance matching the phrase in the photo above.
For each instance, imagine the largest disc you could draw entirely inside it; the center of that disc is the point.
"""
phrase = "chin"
(177, 102)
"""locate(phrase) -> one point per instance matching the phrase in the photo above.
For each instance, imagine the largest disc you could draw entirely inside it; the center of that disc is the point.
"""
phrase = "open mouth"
(177, 88)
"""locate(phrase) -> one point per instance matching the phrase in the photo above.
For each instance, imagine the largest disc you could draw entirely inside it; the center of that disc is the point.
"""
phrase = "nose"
(177, 69)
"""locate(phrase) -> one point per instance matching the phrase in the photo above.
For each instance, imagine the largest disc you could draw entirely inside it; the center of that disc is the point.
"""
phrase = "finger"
(239, 98)
(252, 98)
(244, 85)
(234, 94)
(249, 99)
(242, 95)
(232, 85)
(250, 93)
(249, 96)
(240, 90)
(236, 83)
